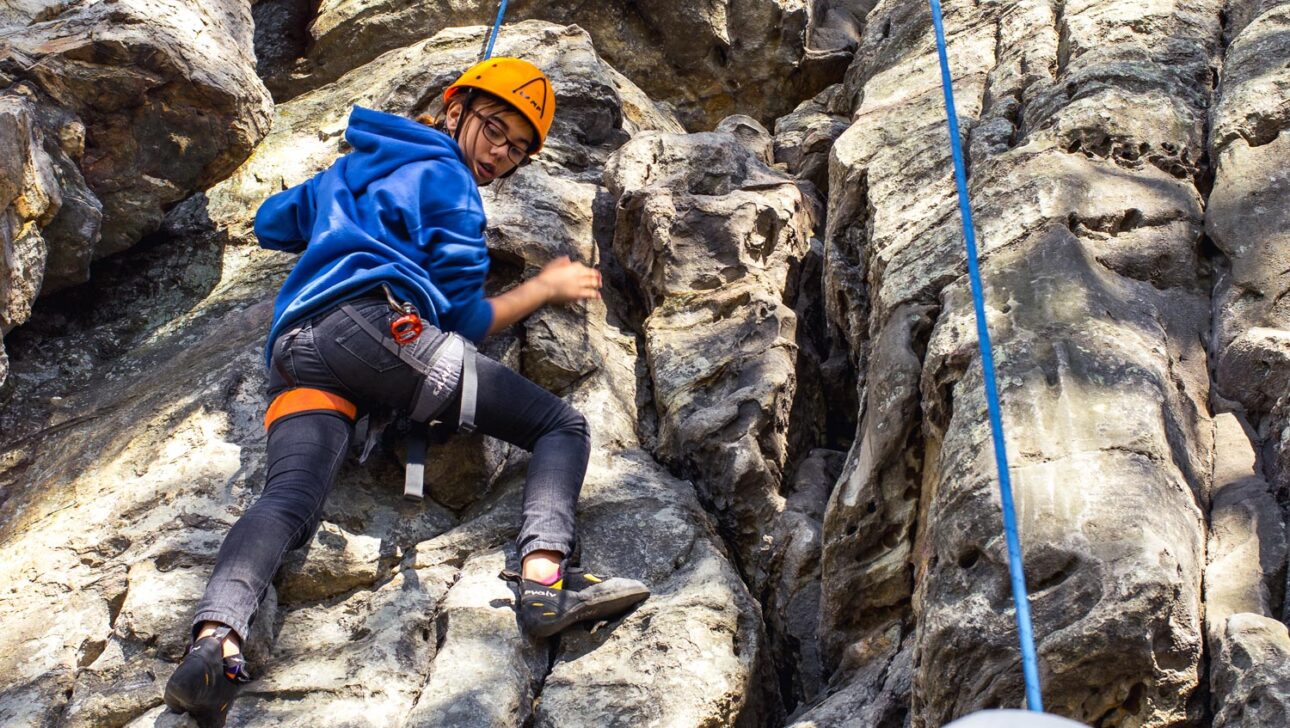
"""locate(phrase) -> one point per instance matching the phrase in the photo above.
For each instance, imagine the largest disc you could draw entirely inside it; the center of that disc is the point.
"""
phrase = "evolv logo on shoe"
(541, 593)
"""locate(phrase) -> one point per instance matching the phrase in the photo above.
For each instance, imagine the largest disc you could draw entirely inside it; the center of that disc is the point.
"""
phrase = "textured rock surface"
(486, 672)
(803, 138)
(709, 234)
(792, 599)
(49, 220)
(752, 56)
(31, 198)
(1250, 677)
(114, 112)
(1090, 221)
(1116, 359)
(167, 93)
(1250, 672)
(1247, 218)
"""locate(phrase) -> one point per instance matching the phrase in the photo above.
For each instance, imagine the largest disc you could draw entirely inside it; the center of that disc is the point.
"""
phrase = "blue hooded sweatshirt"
(401, 209)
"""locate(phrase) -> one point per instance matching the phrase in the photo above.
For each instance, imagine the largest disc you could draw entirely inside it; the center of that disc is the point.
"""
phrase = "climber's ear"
(452, 116)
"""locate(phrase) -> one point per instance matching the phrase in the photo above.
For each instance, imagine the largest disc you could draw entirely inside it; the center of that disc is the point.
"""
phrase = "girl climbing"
(379, 313)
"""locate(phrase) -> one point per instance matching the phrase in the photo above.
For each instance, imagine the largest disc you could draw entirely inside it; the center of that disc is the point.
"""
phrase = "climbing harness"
(432, 393)
(491, 37)
(1030, 671)
(419, 435)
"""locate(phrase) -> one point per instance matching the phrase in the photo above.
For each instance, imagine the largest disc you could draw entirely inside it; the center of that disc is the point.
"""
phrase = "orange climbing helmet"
(517, 82)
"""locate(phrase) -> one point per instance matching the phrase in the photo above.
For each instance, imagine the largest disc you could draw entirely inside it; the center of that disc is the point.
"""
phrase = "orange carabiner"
(406, 328)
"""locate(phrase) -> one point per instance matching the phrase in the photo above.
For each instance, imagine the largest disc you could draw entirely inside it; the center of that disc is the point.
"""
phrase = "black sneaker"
(205, 683)
(577, 596)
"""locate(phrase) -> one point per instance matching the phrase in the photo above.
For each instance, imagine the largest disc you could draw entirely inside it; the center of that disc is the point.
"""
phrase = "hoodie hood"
(384, 142)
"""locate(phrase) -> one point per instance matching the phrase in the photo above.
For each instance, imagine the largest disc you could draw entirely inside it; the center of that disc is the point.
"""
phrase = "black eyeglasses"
(495, 134)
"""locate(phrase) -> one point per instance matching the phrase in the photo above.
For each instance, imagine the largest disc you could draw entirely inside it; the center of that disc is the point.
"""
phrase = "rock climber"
(392, 243)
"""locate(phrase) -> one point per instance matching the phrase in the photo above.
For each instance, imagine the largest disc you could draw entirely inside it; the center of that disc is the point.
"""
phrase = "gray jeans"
(305, 451)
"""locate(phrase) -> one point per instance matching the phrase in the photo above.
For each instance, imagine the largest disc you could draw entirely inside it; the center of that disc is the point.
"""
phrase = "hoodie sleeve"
(284, 221)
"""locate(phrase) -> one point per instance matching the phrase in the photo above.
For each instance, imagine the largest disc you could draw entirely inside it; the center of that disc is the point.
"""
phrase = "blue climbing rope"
(497, 25)
(1034, 701)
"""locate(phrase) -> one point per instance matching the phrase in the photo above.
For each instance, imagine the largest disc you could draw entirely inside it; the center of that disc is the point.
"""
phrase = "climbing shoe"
(206, 682)
(575, 596)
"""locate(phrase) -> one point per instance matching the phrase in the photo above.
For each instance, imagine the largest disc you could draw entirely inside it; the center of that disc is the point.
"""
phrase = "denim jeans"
(305, 451)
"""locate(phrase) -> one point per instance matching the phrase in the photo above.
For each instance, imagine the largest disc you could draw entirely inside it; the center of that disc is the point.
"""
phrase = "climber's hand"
(561, 281)
(566, 281)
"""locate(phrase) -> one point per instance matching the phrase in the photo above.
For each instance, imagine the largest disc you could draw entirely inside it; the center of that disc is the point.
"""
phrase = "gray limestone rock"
(1253, 323)
(803, 138)
(167, 94)
(691, 653)
(1250, 672)
(871, 688)
(709, 234)
(486, 672)
(358, 660)
(792, 601)
(868, 527)
(335, 562)
(742, 56)
(834, 29)
(750, 133)
(71, 236)
(1093, 383)
(30, 198)
(48, 218)
(112, 691)
(1250, 668)
(113, 112)
(1089, 220)
(1246, 217)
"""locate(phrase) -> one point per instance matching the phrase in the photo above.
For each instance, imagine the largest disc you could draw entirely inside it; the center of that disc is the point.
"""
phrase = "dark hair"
(471, 96)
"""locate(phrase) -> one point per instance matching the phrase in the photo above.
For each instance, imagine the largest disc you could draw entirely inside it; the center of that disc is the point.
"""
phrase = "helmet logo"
(532, 96)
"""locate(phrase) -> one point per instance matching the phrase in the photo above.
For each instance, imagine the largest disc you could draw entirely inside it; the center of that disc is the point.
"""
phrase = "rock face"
(1250, 680)
(1090, 219)
(49, 219)
(167, 93)
(1246, 219)
(753, 56)
(714, 240)
(115, 112)
(31, 199)
(709, 234)
(790, 443)
(803, 138)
